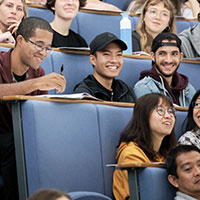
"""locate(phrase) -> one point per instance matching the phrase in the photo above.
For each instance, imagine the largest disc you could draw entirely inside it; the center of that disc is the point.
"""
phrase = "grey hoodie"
(191, 41)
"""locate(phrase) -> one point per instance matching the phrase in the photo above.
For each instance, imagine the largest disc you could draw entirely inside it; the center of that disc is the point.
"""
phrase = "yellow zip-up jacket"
(127, 153)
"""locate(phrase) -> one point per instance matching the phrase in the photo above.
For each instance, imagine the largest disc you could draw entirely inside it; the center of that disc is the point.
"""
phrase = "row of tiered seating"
(50, 144)
(77, 67)
(97, 22)
(67, 145)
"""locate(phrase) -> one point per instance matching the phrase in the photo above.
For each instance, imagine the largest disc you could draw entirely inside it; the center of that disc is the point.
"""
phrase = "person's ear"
(152, 54)
(19, 40)
(92, 59)
(181, 56)
(173, 180)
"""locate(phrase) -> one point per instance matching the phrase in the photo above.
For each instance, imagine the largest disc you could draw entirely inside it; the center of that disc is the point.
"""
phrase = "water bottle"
(126, 32)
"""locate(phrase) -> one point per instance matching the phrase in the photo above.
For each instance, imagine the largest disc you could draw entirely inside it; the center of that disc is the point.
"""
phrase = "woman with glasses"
(192, 123)
(184, 8)
(11, 14)
(147, 138)
(65, 11)
(156, 16)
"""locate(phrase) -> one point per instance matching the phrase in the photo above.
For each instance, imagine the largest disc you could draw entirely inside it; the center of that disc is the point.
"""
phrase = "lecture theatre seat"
(76, 67)
(68, 145)
(92, 24)
(153, 184)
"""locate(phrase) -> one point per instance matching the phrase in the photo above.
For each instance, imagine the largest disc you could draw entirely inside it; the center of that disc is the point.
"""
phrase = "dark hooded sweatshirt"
(179, 82)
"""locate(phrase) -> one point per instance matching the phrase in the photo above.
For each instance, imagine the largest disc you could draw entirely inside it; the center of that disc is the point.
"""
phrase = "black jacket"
(121, 91)
(136, 41)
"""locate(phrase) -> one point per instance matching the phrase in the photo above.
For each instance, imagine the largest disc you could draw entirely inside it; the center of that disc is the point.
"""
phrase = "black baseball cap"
(101, 41)
(158, 41)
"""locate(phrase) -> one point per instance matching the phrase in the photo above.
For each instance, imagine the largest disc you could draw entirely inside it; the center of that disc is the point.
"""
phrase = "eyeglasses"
(153, 12)
(40, 48)
(161, 111)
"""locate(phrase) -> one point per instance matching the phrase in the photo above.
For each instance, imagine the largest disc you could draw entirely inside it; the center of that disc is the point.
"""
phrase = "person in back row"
(190, 39)
(107, 60)
(65, 11)
(163, 76)
(21, 74)
(11, 14)
(157, 16)
(183, 167)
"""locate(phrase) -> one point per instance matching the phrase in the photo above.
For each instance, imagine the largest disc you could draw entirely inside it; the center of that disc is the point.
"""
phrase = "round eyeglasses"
(161, 111)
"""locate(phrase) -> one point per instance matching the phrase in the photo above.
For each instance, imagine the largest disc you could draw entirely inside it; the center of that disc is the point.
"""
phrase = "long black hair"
(189, 123)
(138, 129)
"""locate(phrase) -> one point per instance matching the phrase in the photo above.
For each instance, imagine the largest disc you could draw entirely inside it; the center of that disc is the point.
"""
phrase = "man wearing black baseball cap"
(163, 77)
(107, 60)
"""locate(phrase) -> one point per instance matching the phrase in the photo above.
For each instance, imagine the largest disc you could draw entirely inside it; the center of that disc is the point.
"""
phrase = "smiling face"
(188, 171)
(108, 62)
(162, 120)
(30, 56)
(156, 19)
(66, 9)
(10, 11)
(196, 112)
(167, 59)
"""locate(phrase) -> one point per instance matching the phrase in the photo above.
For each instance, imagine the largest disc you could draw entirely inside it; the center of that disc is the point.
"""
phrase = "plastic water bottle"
(126, 32)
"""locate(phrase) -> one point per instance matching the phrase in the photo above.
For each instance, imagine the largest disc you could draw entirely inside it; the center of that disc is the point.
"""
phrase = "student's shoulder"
(78, 37)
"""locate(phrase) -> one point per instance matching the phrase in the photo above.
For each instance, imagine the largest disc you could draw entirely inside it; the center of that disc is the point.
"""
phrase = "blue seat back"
(180, 117)
(131, 69)
(41, 12)
(192, 71)
(112, 120)
(62, 147)
(76, 67)
(91, 24)
(182, 25)
(153, 184)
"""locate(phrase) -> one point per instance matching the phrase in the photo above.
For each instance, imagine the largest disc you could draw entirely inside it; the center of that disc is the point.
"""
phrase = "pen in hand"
(61, 70)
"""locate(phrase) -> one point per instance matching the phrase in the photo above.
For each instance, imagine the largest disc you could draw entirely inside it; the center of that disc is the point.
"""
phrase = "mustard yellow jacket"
(127, 153)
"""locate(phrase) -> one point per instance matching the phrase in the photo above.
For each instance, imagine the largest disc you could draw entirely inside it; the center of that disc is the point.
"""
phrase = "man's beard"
(166, 75)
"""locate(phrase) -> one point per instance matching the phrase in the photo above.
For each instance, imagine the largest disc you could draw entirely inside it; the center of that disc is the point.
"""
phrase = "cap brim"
(122, 45)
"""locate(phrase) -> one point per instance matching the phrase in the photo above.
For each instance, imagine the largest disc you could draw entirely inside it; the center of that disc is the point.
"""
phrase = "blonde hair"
(24, 7)
(145, 38)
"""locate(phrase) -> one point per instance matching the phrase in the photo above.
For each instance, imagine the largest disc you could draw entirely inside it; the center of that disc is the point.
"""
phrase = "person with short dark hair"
(49, 194)
(183, 167)
(148, 137)
(21, 74)
(163, 77)
(65, 12)
(107, 60)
